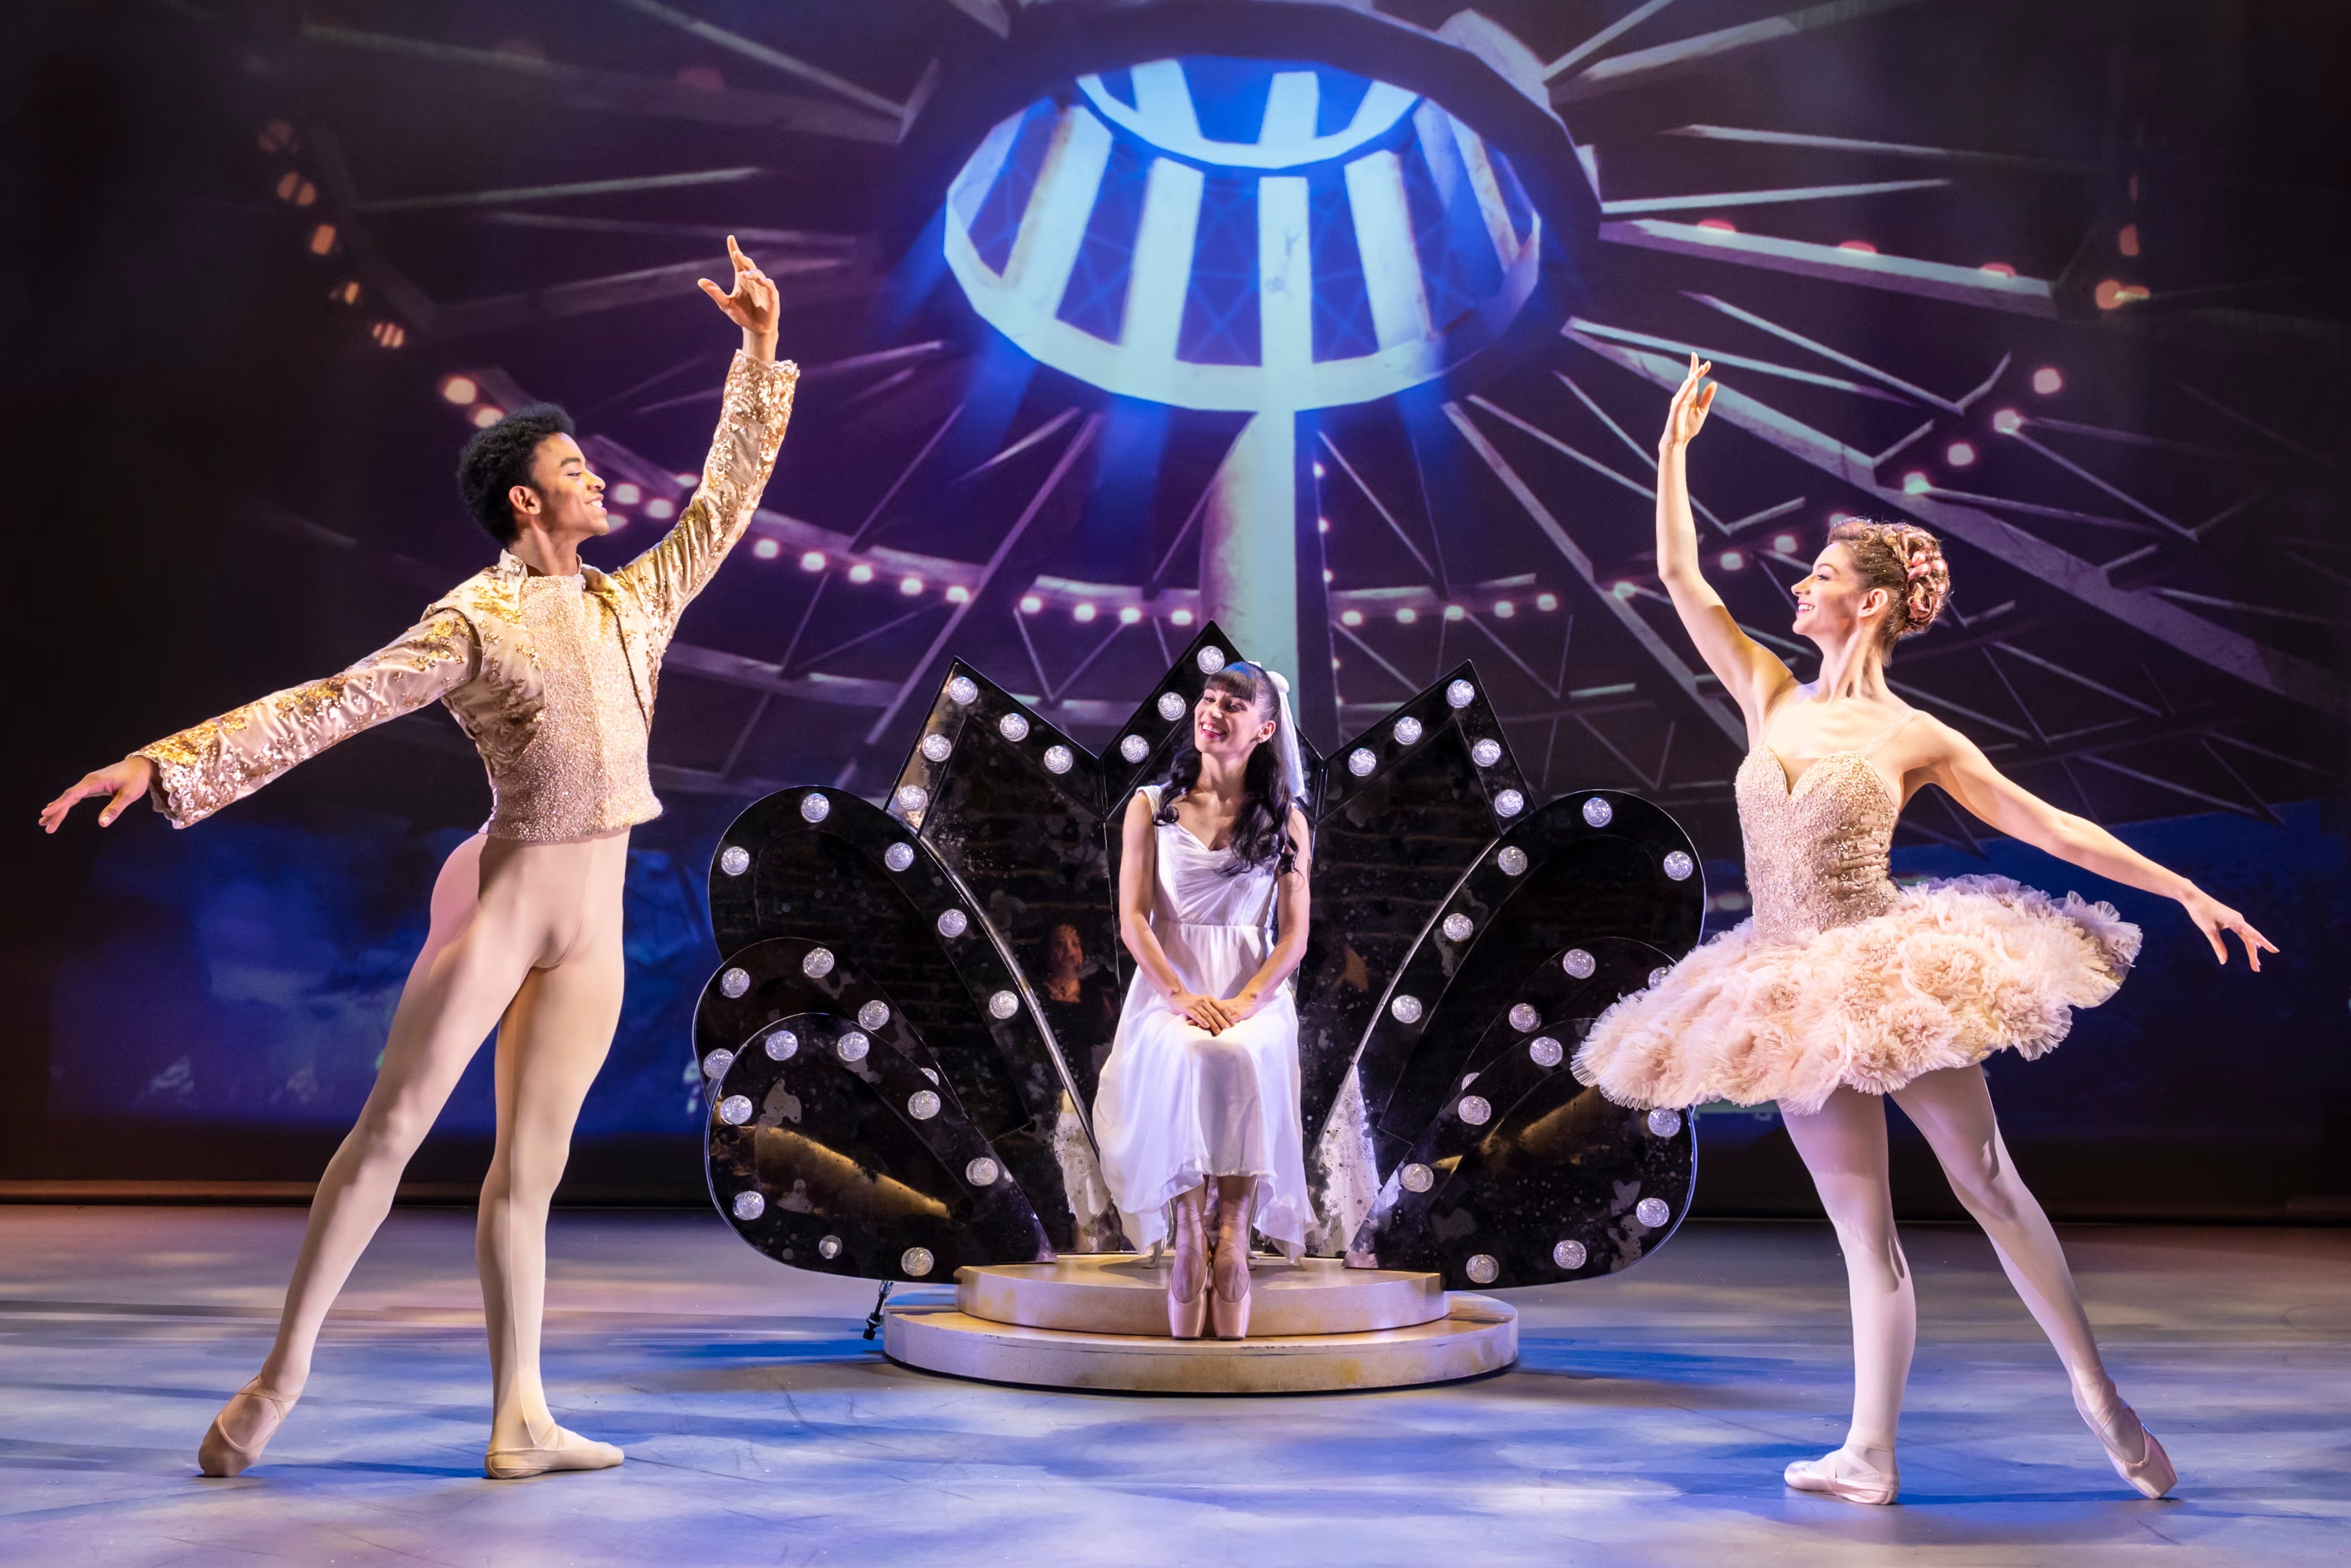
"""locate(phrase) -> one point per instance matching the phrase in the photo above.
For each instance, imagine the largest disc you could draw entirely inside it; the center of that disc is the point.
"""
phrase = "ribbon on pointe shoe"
(2150, 1473)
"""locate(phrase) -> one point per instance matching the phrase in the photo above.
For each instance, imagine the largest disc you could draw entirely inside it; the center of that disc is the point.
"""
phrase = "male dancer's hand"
(754, 305)
(126, 782)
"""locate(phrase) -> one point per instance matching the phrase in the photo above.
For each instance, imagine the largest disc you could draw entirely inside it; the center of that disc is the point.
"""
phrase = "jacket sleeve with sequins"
(757, 405)
(199, 770)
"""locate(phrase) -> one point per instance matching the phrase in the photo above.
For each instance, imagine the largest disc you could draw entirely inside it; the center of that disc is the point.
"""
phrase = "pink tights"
(1843, 1146)
(525, 939)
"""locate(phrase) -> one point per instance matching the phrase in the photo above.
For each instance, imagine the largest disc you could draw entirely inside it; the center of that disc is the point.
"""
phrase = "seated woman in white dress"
(1202, 1081)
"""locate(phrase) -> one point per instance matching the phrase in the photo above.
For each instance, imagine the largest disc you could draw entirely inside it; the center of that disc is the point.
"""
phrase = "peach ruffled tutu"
(1950, 973)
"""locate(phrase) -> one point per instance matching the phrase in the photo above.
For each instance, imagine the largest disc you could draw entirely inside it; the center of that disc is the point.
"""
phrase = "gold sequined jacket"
(472, 649)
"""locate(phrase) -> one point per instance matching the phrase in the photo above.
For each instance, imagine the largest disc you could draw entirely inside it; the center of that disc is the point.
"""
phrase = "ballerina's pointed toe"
(1188, 1316)
(1841, 1476)
(1230, 1318)
(2150, 1472)
(1189, 1319)
(220, 1455)
(567, 1450)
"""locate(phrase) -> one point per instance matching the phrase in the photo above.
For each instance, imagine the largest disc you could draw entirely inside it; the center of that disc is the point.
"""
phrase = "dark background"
(228, 469)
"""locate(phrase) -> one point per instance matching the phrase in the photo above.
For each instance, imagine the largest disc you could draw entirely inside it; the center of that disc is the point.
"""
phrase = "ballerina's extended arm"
(1289, 917)
(1960, 766)
(1138, 870)
(1750, 672)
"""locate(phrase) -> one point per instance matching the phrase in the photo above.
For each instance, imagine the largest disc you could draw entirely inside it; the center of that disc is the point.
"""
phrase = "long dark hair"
(1262, 831)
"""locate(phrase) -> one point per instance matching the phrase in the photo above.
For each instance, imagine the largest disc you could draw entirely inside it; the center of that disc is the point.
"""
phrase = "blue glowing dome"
(1243, 235)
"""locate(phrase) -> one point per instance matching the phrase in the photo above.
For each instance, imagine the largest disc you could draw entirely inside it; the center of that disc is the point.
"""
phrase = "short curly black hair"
(498, 458)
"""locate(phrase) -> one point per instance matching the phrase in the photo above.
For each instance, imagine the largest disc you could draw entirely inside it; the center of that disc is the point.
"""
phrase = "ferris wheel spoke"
(1900, 274)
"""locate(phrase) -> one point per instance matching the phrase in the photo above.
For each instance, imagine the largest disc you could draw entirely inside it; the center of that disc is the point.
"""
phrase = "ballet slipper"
(2150, 1472)
(220, 1455)
(1842, 1476)
(563, 1450)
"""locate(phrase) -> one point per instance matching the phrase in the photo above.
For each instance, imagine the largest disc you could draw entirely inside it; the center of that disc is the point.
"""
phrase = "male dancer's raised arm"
(756, 407)
(195, 773)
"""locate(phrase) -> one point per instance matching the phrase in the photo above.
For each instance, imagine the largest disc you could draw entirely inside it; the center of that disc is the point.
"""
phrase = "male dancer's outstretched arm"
(195, 773)
(191, 775)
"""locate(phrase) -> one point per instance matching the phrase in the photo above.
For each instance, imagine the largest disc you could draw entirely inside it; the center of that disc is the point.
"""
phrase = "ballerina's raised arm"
(1753, 675)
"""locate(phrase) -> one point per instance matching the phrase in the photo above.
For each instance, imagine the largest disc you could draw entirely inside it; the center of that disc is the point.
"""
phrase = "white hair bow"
(1285, 737)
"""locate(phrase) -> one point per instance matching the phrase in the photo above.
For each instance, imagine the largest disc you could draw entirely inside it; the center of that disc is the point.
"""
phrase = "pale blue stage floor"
(1645, 1423)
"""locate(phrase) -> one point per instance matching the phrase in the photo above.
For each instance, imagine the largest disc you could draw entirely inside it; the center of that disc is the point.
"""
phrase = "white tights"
(525, 938)
(1844, 1146)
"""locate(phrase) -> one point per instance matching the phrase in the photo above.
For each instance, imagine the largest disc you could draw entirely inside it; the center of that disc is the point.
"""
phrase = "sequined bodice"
(1816, 852)
(587, 773)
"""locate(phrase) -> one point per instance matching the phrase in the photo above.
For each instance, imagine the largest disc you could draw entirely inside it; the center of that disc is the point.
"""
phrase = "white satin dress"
(1179, 1105)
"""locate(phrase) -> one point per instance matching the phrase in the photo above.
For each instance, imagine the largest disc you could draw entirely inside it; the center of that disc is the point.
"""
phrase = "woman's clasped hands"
(1216, 1014)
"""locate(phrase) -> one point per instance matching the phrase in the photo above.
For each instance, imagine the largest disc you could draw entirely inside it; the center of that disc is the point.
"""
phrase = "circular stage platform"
(1100, 1321)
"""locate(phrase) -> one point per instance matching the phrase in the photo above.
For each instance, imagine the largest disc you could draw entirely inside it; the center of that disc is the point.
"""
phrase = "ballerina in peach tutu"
(1845, 989)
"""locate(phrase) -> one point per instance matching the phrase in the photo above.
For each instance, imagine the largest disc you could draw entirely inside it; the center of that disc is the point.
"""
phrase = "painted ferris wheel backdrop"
(1243, 235)
(1352, 328)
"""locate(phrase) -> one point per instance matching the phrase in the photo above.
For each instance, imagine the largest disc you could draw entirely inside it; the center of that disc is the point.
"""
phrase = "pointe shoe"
(220, 1455)
(2150, 1472)
(1228, 1316)
(564, 1450)
(1841, 1476)
(1186, 1317)
(1187, 1320)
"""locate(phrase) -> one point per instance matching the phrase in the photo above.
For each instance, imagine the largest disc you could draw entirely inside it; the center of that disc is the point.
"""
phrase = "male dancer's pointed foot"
(242, 1429)
(1847, 1477)
(562, 1451)
(2136, 1456)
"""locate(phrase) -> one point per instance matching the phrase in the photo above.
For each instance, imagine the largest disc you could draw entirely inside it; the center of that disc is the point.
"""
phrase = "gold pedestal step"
(1100, 1321)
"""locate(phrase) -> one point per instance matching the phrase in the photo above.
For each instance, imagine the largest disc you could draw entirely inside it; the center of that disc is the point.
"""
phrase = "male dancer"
(551, 668)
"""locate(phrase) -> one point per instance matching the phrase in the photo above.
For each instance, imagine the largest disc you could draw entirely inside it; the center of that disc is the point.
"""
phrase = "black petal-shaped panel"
(1526, 1177)
(835, 1142)
(1522, 1176)
(1012, 807)
(1407, 806)
(1589, 866)
(823, 866)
